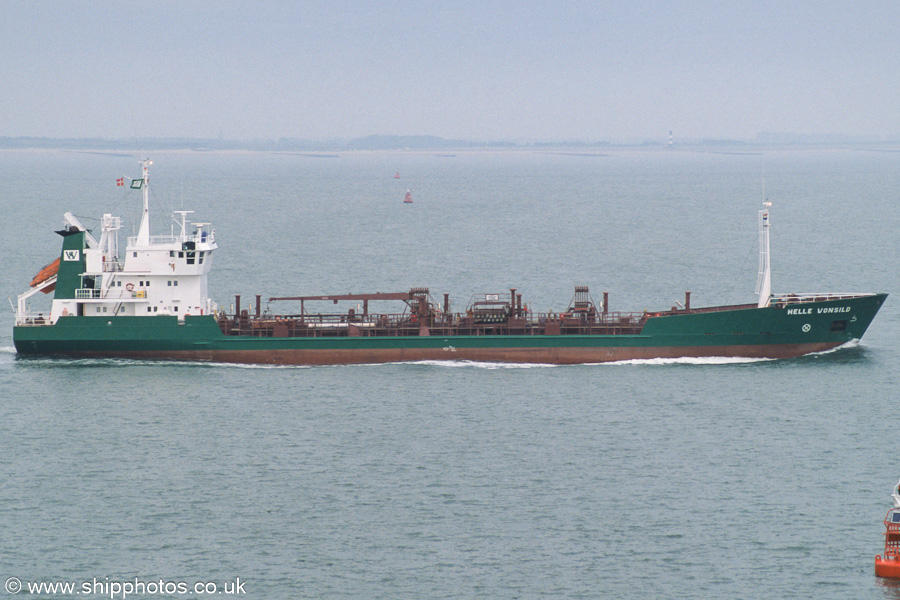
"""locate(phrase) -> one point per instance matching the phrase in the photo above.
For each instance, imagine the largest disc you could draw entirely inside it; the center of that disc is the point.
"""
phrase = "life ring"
(129, 286)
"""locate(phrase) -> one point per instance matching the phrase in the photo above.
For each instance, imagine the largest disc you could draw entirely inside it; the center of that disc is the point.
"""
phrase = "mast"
(184, 213)
(764, 282)
(143, 237)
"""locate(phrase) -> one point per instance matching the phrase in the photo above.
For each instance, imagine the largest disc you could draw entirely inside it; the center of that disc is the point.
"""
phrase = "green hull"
(771, 332)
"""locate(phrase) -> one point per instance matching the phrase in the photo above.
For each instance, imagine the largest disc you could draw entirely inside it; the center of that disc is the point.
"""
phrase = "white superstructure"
(157, 275)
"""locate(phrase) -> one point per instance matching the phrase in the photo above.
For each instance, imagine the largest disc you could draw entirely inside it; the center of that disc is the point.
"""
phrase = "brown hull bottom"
(505, 355)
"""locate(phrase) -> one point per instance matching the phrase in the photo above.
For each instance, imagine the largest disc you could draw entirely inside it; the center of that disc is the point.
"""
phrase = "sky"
(481, 70)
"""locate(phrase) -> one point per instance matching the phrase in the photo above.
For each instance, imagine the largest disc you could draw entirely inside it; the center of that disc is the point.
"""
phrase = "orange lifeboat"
(888, 564)
(44, 274)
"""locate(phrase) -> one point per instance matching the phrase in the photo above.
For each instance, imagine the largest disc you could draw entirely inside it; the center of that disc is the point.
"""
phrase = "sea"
(697, 478)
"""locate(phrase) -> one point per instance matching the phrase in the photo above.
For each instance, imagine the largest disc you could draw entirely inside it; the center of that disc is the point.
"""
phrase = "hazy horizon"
(514, 71)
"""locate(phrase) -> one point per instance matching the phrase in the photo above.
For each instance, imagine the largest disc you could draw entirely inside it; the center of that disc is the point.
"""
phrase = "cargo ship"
(151, 302)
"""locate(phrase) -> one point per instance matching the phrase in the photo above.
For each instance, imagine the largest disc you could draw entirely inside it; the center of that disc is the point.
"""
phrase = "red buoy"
(408, 199)
(888, 564)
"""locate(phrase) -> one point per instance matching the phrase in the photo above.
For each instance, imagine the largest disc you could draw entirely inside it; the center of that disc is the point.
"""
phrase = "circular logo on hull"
(806, 328)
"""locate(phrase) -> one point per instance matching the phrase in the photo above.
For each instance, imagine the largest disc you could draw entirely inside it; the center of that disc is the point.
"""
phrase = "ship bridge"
(156, 274)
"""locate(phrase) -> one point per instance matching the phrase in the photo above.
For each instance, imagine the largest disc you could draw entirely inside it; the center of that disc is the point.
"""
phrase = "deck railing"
(406, 324)
(203, 236)
(802, 298)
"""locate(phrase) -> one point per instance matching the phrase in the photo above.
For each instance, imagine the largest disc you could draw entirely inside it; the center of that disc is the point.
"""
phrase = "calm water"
(660, 479)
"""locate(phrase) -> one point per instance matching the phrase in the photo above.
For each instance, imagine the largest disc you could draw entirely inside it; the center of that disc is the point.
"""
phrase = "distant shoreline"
(450, 153)
(424, 143)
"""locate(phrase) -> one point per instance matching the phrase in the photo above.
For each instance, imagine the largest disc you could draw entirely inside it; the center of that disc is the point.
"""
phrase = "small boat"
(888, 564)
(408, 199)
(397, 175)
(44, 274)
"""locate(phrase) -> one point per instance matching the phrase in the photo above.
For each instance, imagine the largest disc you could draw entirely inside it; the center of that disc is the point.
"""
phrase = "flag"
(120, 182)
(136, 184)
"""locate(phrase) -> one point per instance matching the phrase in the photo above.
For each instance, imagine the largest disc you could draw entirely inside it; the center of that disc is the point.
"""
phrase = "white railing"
(111, 294)
(204, 236)
(118, 294)
(32, 319)
(807, 297)
(111, 266)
